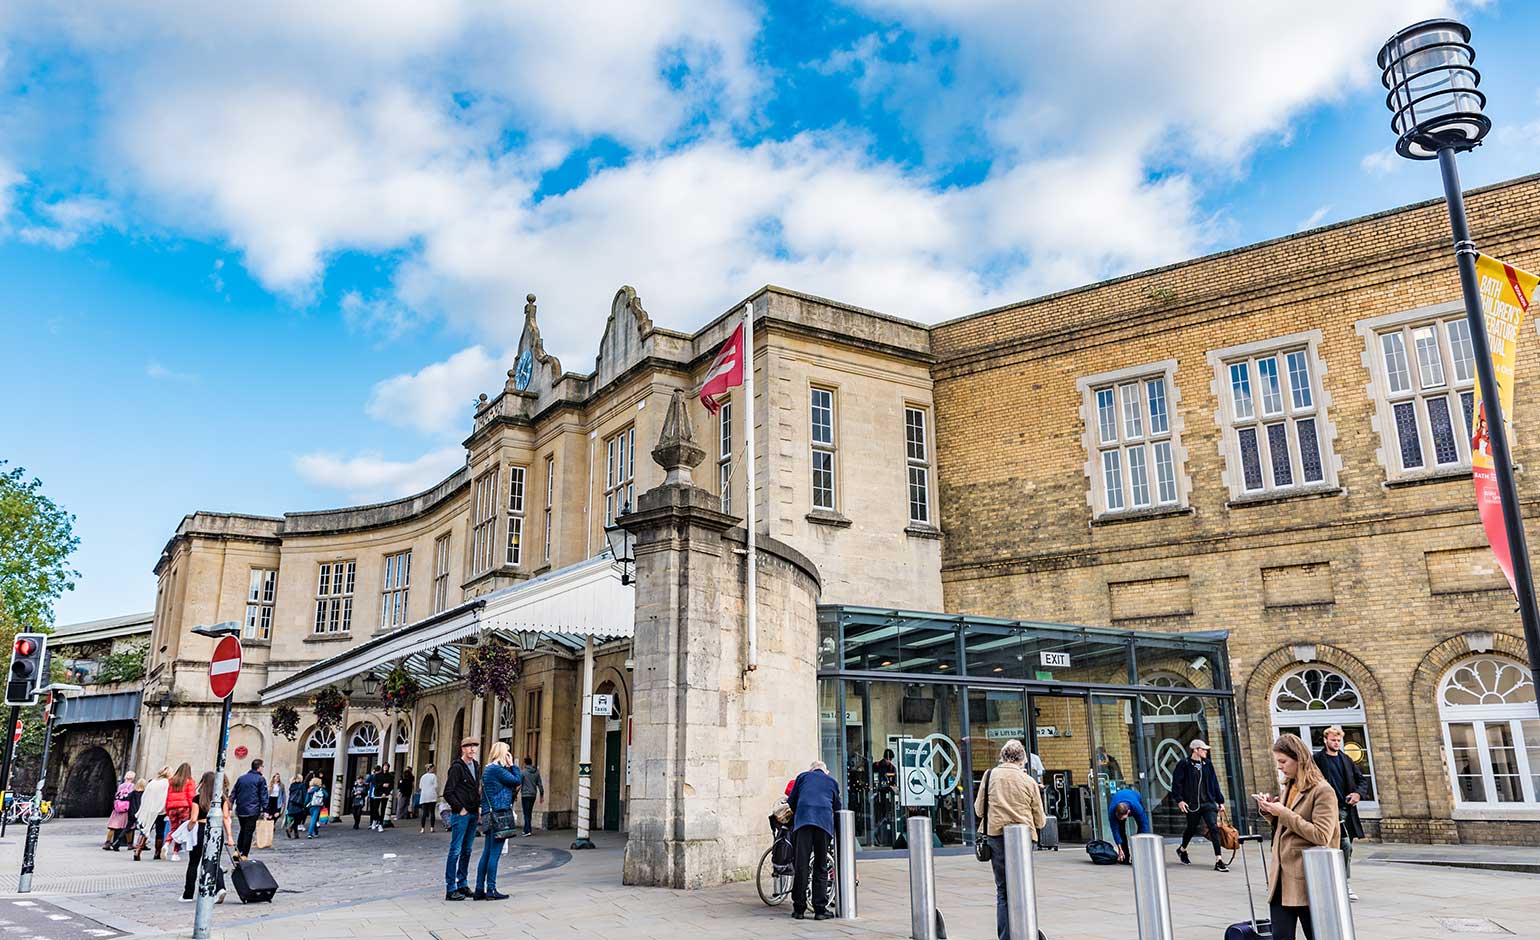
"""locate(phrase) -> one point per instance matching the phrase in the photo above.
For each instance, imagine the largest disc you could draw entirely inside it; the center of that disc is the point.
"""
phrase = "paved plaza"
(385, 885)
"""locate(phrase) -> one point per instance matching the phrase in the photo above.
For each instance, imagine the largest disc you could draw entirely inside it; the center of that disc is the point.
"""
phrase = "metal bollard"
(845, 852)
(1326, 882)
(922, 879)
(1020, 883)
(1152, 901)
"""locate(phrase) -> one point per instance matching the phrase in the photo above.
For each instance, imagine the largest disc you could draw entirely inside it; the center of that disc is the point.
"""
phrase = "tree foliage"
(36, 539)
(126, 665)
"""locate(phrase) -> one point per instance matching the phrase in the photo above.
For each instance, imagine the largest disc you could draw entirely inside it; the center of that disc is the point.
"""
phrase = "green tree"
(36, 540)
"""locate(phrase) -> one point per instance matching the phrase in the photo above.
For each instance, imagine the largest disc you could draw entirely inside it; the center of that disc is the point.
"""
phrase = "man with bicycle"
(814, 799)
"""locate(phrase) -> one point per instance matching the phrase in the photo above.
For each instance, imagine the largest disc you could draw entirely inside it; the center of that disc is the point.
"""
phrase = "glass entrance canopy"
(914, 708)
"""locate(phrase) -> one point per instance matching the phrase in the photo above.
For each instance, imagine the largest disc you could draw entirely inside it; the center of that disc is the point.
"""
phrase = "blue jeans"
(1002, 908)
(462, 841)
(315, 817)
(486, 869)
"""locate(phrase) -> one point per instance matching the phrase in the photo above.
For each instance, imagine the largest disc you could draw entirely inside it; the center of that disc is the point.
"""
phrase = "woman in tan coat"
(1305, 817)
(1013, 797)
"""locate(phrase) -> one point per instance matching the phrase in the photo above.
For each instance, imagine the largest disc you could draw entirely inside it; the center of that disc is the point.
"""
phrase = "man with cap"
(462, 792)
(1195, 787)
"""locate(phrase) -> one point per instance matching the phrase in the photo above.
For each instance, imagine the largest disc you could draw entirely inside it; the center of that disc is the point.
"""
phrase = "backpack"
(1102, 852)
(318, 798)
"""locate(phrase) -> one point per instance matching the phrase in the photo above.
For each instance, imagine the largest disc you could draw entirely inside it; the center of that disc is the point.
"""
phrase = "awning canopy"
(557, 612)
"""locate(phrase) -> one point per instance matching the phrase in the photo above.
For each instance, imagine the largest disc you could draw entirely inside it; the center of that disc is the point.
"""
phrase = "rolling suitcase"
(253, 882)
(1048, 836)
(1257, 928)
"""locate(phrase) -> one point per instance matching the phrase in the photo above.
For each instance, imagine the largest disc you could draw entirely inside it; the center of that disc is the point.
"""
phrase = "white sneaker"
(220, 898)
(175, 857)
(1352, 895)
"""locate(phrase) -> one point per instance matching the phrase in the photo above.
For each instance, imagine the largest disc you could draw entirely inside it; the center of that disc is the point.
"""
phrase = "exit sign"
(1054, 660)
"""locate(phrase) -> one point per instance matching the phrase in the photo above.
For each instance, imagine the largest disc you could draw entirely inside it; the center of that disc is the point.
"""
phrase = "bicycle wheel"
(769, 885)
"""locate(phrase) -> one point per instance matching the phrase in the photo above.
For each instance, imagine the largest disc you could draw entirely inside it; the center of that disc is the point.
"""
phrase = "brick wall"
(1383, 582)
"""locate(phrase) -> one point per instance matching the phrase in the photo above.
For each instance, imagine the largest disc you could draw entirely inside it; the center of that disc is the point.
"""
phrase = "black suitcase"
(253, 882)
(1257, 928)
(1048, 836)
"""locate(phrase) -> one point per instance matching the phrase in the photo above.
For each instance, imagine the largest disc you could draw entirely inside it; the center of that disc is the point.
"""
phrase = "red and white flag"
(726, 372)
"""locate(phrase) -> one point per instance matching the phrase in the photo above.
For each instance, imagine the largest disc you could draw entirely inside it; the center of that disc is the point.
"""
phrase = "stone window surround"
(1095, 497)
(927, 464)
(518, 481)
(831, 512)
(1381, 420)
(441, 556)
(1229, 450)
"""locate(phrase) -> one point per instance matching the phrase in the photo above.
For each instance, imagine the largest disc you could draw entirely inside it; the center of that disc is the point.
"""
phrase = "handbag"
(1102, 852)
(981, 847)
(263, 837)
(499, 823)
(1229, 836)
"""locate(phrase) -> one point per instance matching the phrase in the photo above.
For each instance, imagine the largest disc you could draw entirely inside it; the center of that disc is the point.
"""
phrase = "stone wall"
(1386, 579)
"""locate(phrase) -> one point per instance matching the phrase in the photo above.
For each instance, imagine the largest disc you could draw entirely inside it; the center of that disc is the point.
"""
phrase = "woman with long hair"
(499, 782)
(180, 795)
(1304, 817)
(275, 795)
(200, 816)
(152, 814)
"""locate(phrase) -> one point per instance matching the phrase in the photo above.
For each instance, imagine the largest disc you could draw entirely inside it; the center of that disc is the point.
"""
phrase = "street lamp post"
(1436, 107)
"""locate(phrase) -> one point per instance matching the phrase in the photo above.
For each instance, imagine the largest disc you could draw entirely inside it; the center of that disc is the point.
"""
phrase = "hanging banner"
(1505, 296)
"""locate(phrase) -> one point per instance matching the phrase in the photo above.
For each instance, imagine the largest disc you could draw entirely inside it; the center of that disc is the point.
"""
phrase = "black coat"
(1345, 777)
(462, 787)
(1195, 787)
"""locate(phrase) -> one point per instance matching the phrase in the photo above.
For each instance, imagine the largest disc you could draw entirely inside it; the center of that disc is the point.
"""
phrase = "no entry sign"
(225, 667)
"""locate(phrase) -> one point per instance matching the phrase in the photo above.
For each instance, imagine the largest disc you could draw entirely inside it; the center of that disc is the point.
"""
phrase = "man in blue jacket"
(249, 796)
(814, 799)
(1125, 803)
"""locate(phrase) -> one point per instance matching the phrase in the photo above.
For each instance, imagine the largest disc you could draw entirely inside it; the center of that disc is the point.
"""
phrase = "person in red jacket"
(179, 801)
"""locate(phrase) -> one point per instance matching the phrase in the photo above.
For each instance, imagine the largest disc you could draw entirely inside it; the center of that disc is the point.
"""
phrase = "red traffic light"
(25, 647)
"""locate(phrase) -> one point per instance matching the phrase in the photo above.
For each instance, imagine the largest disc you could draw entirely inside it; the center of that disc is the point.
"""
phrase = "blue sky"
(263, 259)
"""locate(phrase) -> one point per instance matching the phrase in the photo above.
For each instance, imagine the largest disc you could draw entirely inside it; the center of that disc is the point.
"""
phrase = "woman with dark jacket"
(499, 782)
(296, 807)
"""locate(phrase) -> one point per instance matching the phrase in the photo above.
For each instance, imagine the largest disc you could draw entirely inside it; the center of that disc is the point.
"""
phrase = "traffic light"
(26, 669)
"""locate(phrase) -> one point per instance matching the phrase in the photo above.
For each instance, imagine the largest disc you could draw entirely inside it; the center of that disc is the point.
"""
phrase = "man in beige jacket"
(1006, 796)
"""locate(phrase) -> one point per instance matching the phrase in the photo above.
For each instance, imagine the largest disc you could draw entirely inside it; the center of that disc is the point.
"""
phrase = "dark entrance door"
(612, 778)
(89, 786)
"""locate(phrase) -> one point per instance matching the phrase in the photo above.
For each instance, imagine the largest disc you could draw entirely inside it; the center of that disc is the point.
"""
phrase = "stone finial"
(529, 306)
(676, 451)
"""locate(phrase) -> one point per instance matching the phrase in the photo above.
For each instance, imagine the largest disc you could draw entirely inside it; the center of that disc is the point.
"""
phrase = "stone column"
(709, 754)
(339, 782)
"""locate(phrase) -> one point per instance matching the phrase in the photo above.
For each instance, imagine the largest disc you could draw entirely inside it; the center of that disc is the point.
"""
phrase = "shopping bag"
(263, 838)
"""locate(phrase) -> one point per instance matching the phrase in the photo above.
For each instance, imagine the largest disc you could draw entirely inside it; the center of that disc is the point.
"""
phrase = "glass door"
(995, 716)
(1114, 760)
(1060, 738)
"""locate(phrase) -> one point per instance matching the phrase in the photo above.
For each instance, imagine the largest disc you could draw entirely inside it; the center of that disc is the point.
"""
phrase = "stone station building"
(1259, 456)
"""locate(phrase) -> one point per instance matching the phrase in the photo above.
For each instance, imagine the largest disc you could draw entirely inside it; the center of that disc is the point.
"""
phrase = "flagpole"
(752, 604)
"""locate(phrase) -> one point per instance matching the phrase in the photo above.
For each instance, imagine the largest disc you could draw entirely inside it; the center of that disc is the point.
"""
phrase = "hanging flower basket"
(329, 703)
(492, 670)
(400, 691)
(286, 721)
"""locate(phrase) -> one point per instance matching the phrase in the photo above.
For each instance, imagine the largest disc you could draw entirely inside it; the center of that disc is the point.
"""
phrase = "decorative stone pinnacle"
(676, 452)
(529, 306)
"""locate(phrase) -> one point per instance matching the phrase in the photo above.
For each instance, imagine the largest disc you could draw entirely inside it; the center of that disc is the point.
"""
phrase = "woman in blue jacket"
(499, 782)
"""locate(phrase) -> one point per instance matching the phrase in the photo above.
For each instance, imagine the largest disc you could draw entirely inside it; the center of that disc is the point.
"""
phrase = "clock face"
(524, 371)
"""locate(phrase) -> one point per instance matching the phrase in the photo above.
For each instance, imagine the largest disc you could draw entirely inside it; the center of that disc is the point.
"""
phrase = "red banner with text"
(1505, 296)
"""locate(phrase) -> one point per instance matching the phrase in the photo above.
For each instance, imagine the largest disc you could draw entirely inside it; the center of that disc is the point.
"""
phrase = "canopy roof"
(555, 612)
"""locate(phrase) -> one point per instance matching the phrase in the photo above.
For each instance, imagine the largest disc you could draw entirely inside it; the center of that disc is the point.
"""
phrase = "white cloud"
(160, 373)
(1381, 162)
(437, 399)
(1313, 219)
(371, 477)
(382, 314)
(64, 222)
(10, 180)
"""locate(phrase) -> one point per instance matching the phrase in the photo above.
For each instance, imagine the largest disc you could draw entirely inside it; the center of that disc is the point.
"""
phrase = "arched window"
(365, 740)
(1311, 699)
(505, 721)
(321, 743)
(1171, 721)
(1491, 732)
(403, 738)
(427, 742)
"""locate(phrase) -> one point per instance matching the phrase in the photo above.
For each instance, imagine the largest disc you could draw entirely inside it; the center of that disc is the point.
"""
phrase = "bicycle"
(774, 880)
(19, 810)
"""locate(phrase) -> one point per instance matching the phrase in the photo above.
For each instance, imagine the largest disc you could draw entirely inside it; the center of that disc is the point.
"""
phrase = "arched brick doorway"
(89, 785)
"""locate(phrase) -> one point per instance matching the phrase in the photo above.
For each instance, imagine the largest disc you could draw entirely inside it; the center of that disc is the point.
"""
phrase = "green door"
(612, 775)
